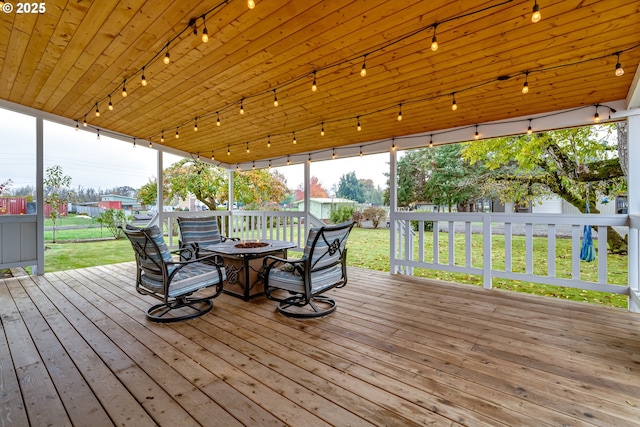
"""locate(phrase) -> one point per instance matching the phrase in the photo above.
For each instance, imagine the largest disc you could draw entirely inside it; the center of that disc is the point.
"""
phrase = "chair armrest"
(272, 261)
(233, 239)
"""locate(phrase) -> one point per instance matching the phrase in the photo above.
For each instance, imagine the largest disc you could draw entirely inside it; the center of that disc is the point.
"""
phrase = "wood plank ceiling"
(77, 53)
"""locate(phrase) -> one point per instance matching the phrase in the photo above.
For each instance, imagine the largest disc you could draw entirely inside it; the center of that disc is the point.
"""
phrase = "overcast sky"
(109, 163)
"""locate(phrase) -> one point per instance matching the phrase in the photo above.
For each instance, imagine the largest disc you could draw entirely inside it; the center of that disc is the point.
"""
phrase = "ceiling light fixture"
(248, 151)
(143, 81)
(198, 157)
(275, 98)
(97, 110)
(242, 106)
(529, 130)
(619, 71)
(434, 40)
(254, 165)
(177, 134)
(358, 127)
(110, 104)
(454, 106)
(400, 112)
(535, 16)
(162, 136)
(205, 32)
(124, 88)
(322, 130)
(218, 120)
(525, 85)
(363, 71)
(431, 141)
(268, 141)
(477, 135)
(150, 144)
(84, 123)
(596, 116)
(333, 155)
(228, 150)
(167, 57)
(314, 86)
(251, 4)
(393, 144)
(295, 141)
(213, 157)
(77, 126)
(195, 125)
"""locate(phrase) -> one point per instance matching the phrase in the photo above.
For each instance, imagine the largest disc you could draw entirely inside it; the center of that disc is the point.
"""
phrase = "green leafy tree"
(112, 219)
(565, 162)
(56, 184)
(350, 188)
(257, 188)
(375, 215)
(148, 193)
(341, 214)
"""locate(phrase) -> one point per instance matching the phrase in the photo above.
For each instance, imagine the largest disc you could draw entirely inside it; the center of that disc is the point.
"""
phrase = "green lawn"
(369, 248)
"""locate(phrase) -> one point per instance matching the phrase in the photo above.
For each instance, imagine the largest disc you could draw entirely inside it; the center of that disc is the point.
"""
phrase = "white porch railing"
(246, 225)
(410, 245)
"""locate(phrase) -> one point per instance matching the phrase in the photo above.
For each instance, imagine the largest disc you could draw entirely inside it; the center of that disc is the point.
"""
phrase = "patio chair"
(298, 284)
(199, 232)
(172, 282)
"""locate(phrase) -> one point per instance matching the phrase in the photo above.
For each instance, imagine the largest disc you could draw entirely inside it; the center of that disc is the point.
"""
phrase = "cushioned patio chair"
(199, 232)
(180, 285)
(297, 284)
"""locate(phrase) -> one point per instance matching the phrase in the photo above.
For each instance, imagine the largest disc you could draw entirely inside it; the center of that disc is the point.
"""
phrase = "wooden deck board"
(75, 345)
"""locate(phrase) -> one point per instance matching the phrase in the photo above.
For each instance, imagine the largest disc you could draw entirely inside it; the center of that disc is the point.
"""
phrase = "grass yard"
(369, 248)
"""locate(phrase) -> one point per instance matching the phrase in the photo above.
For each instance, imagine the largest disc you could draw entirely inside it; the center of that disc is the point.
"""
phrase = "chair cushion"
(292, 281)
(189, 279)
(149, 264)
(201, 230)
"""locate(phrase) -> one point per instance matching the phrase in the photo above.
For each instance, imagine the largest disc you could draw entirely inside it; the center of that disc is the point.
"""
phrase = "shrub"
(375, 214)
(357, 218)
(341, 214)
(111, 219)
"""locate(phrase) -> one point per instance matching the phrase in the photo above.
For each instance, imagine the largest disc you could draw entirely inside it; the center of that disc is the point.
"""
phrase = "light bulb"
(241, 107)
(198, 157)
(84, 123)
(454, 106)
(110, 104)
(268, 141)
(400, 113)
(195, 125)
(619, 71)
(525, 87)
(358, 127)
(476, 136)
(295, 141)
(212, 156)
(434, 43)
(218, 121)
(97, 110)
(77, 126)
(275, 99)
(134, 143)
(288, 161)
(248, 151)
(596, 117)
(529, 130)
(536, 17)
(251, 4)
(205, 35)
(150, 144)
(167, 58)
(177, 134)
(314, 86)
(98, 135)
(143, 82)
(360, 151)
(363, 71)
(228, 151)
(124, 89)
(322, 130)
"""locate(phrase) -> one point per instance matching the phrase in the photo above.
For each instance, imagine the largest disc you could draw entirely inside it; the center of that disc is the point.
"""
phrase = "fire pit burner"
(250, 245)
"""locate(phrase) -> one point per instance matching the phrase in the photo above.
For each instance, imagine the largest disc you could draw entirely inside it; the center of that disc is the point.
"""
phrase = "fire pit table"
(243, 262)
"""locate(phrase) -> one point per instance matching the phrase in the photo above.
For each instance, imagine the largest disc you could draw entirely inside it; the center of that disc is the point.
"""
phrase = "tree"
(113, 219)
(256, 188)
(566, 162)
(375, 214)
(350, 188)
(341, 214)
(316, 190)
(148, 193)
(372, 194)
(55, 182)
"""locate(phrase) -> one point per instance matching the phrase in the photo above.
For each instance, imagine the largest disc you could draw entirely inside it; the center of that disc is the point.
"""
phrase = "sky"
(109, 163)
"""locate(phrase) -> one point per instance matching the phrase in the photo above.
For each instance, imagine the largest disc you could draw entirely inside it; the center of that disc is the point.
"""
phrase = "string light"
(393, 144)
(98, 134)
(269, 164)
(275, 98)
(431, 141)
(322, 130)
(288, 160)
(529, 130)
(363, 71)
(213, 157)
(77, 126)
(248, 151)
(359, 128)
(124, 88)
(167, 57)
(454, 106)
(251, 4)
(525, 85)
(242, 106)
(295, 141)
(434, 40)
(134, 143)
(198, 157)
(477, 135)
(400, 112)
(110, 104)
(237, 168)
(268, 141)
(228, 150)
(254, 165)
(205, 32)
(619, 71)
(309, 159)
(535, 16)
(84, 123)
(143, 82)
(596, 116)
(97, 110)
(314, 86)
(218, 121)
(150, 144)
(177, 134)
(195, 125)
(162, 136)
(361, 151)
(333, 153)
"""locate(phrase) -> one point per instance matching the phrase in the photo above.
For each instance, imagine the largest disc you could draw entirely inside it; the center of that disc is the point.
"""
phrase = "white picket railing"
(410, 245)
(634, 263)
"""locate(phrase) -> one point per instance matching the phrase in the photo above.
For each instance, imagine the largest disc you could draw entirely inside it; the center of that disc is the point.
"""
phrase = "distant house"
(321, 207)
(116, 201)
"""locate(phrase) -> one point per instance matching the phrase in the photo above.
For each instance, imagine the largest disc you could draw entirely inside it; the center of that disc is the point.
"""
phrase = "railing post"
(393, 208)
(633, 137)
(486, 251)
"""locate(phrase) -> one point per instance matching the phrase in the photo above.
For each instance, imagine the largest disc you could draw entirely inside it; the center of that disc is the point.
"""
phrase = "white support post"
(160, 189)
(486, 251)
(39, 267)
(633, 129)
(393, 207)
(307, 199)
(231, 229)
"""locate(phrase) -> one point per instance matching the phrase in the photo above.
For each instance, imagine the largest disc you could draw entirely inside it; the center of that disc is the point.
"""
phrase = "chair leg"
(194, 307)
(318, 306)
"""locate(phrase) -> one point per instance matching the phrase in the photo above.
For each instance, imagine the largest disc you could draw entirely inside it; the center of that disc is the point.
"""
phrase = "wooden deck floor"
(76, 349)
